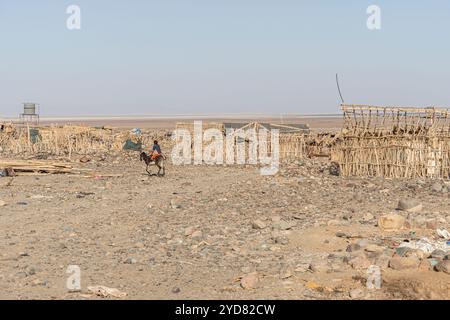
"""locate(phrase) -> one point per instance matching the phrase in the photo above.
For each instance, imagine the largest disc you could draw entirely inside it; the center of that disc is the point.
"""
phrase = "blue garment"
(157, 148)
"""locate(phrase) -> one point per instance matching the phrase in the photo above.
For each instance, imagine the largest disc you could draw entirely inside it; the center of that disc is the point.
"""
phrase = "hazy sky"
(227, 56)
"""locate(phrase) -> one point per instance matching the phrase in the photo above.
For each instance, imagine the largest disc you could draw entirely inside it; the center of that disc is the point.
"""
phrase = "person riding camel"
(156, 150)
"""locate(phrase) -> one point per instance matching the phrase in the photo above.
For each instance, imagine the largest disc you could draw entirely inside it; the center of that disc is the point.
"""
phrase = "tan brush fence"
(69, 140)
(394, 142)
(292, 140)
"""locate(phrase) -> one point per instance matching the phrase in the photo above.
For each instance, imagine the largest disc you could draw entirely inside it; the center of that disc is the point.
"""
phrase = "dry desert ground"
(219, 232)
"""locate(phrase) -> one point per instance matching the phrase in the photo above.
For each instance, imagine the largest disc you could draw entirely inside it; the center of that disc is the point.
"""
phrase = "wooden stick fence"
(394, 142)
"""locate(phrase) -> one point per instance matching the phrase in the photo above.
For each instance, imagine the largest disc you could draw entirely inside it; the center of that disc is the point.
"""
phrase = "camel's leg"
(146, 169)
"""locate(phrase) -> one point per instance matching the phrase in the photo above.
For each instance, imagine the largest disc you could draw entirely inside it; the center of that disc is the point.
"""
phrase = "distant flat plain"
(316, 122)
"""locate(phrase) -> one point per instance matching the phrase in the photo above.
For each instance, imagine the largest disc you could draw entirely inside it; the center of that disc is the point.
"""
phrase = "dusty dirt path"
(196, 232)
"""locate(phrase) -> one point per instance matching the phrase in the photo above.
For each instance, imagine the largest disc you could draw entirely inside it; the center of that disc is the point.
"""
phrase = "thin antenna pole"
(339, 89)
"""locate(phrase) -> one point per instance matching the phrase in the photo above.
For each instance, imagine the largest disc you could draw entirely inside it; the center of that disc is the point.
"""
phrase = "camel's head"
(143, 155)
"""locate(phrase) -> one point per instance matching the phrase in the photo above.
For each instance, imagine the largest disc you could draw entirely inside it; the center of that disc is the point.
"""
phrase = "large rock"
(284, 225)
(391, 222)
(368, 217)
(438, 254)
(425, 265)
(409, 205)
(258, 224)
(404, 263)
(250, 280)
(417, 221)
(356, 294)
(436, 187)
(2, 203)
(319, 265)
(383, 261)
(443, 266)
(359, 262)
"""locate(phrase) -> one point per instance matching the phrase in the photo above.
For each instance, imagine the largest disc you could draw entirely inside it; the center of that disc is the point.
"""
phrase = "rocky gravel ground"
(223, 232)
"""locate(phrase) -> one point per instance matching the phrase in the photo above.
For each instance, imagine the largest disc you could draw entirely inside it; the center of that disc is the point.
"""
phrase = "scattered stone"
(189, 231)
(416, 253)
(250, 280)
(286, 274)
(356, 294)
(409, 205)
(38, 282)
(404, 263)
(139, 245)
(368, 217)
(130, 261)
(353, 247)
(82, 194)
(359, 262)
(23, 254)
(319, 265)
(174, 204)
(438, 254)
(85, 159)
(402, 251)
(2, 203)
(363, 243)
(383, 261)
(106, 292)
(425, 265)
(31, 271)
(281, 240)
(278, 219)
(417, 222)
(431, 224)
(374, 248)
(197, 235)
(334, 222)
(284, 225)
(391, 222)
(258, 224)
(443, 266)
(302, 267)
(176, 290)
(436, 187)
(40, 197)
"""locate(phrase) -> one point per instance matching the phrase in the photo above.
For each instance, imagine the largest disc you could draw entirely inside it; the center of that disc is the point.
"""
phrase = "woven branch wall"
(292, 144)
(69, 140)
(394, 142)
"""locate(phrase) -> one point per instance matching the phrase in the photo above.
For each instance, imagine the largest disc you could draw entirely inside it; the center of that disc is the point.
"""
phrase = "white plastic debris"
(443, 233)
(425, 244)
(136, 131)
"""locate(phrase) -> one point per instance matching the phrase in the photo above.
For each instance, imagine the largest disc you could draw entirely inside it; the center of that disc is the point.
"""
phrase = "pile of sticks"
(32, 166)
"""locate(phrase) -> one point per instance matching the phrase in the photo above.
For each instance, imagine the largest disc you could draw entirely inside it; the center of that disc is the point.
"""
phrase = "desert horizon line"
(176, 116)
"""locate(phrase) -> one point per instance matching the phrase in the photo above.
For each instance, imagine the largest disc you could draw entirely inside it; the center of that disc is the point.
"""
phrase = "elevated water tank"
(29, 108)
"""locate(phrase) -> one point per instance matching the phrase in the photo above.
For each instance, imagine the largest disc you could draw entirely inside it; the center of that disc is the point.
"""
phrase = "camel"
(159, 162)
